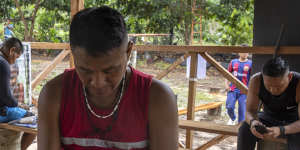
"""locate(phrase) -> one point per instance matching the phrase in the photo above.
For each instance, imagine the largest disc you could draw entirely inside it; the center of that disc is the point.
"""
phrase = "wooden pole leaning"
(225, 72)
(49, 68)
(213, 142)
(172, 67)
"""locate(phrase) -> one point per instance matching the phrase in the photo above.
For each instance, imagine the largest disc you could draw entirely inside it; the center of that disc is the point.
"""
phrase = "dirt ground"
(179, 83)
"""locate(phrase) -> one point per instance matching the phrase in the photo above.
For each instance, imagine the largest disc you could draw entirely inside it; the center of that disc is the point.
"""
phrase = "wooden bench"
(272, 145)
(209, 127)
(18, 128)
(224, 130)
(213, 108)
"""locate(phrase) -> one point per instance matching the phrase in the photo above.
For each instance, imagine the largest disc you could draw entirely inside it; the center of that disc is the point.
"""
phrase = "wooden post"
(191, 97)
(76, 5)
(71, 61)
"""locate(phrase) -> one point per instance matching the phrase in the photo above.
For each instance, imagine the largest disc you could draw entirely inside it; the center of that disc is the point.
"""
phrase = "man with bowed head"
(104, 104)
(278, 89)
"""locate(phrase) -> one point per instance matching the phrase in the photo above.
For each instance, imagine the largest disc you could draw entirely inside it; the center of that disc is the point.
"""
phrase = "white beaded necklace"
(116, 106)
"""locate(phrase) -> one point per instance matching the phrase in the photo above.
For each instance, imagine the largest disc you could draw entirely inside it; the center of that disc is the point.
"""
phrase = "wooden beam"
(147, 35)
(209, 127)
(212, 142)
(172, 67)
(219, 49)
(18, 128)
(184, 49)
(202, 107)
(49, 68)
(225, 72)
(47, 45)
(182, 148)
(191, 98)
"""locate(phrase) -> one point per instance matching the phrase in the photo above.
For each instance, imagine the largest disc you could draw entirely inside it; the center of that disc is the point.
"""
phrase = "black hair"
(97, 30)
(275, 67)
(13, 42)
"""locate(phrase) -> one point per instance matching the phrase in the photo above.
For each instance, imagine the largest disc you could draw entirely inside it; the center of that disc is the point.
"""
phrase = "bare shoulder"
(50, 95)
(256, 77)
(162, 101)
(254, 83)
(163, 117)
(160, 93)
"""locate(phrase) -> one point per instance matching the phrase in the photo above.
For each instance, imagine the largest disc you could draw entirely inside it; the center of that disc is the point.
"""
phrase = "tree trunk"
(28, 34)
(37, 6)
(188, 22)
(23, 20)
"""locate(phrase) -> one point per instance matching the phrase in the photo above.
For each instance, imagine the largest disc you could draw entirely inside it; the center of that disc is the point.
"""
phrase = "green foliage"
(6, 6)
(235, 23)
(56, 5)
(51, 26)
(224, 22)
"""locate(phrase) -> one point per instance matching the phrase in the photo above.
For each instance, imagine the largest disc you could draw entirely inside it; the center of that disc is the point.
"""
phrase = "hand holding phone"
(261, 129)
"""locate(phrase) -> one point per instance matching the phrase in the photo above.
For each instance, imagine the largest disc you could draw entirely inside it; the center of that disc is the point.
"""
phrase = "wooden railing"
(188, 51)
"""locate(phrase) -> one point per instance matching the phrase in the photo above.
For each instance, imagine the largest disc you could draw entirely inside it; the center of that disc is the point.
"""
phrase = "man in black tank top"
(278, 90)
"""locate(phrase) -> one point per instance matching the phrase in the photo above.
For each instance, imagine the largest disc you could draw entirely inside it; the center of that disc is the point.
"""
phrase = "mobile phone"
(261, 129)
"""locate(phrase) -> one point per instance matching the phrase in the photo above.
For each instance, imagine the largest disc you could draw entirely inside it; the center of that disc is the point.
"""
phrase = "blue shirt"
(240, 70)
(7, 32)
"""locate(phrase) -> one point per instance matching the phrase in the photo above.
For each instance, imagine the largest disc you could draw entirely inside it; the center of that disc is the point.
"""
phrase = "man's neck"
(243, 60)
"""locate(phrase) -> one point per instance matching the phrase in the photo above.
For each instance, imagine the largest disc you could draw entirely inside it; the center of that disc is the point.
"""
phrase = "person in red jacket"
(104, 104)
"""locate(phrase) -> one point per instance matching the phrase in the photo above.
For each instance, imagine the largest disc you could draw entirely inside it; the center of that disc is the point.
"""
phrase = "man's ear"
(129, 49)
(11, 50)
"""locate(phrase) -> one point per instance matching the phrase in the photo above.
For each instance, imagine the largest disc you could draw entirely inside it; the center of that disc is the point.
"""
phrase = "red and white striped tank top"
(127, 130)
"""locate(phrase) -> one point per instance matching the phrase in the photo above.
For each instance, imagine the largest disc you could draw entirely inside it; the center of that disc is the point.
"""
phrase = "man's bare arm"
(295, 127)
(252, 104)
(252, 98)
(48, 121)
(163, 117)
